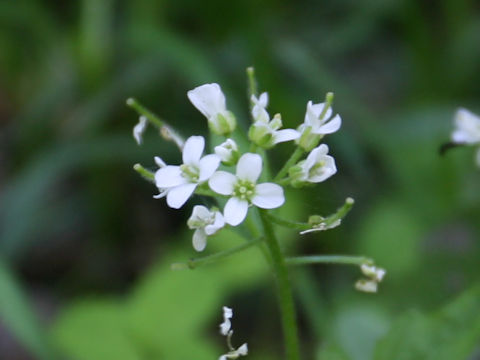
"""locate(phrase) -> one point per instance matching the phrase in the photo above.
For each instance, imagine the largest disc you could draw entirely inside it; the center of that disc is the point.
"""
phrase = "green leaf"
(451, 333)
(18, 316)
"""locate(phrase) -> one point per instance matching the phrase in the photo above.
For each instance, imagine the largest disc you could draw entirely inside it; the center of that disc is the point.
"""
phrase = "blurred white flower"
(210, 101)
(228, 152)
(179, 182)
(366, 285)
(226, 324)
(139, 129)
(225, 330)
(467, 127)
(244, 190)
(265, 132)
(205, 222)
(373, 272)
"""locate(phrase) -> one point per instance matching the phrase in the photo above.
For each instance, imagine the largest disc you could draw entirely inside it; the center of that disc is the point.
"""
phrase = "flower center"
(190, 172)
(244, 189)
(317, 169)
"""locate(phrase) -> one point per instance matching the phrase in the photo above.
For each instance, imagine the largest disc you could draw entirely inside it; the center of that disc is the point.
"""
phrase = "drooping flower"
(373, 272)
(228, 152)
(317, 167)
(265, 132)
(210, 101)
(244, 190)
(139, 129)
(205, 222)
(366, 285)
(179, 182)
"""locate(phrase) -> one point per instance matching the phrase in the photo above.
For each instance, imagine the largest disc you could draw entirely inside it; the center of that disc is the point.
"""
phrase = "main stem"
(284, 289)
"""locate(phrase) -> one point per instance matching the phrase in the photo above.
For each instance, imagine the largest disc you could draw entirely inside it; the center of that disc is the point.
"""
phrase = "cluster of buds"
(374, 276)
(226, 330)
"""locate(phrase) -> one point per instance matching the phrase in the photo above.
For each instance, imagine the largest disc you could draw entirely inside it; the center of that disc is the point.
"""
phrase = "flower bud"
(228, 152)
(260, 134)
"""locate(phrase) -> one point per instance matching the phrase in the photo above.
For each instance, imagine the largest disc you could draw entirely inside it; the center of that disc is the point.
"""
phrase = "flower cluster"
(467, 130)
(225, 330)
(374, 276)
(212, 174)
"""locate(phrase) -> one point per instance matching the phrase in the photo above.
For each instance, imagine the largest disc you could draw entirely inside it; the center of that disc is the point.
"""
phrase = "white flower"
(467, 127)
(317, 167)
(205, 222)
(139, 129)
(180, 182)
(244, 190)
(210, 101)
(226, 325)
(235, 354)
(266, 133)
(366, 285)
(320, 124)
(228, 152)
(373, 272)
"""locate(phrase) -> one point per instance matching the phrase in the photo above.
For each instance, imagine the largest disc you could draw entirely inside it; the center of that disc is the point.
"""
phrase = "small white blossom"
(244, 190)
(205, 222)
(317, 167)
(139, 129)
(228, 152)
(320, 124)
(210, 101)
(373, 272)
(226, 324)
(265, 132)
(366, 285)
(467, 127)
(180, 182)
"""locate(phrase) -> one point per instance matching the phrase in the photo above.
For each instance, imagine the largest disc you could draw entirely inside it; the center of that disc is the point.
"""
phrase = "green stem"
(146, 174)
(289, 224)
(328, 259)
(205, 192)
(194, 263)
(297, 154)
(284, 289)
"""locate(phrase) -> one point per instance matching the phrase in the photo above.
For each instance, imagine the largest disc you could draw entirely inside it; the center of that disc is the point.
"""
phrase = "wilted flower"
(210, 101)
(205, 222)
(139, 129)
(244, 190)
(179, 182)
(225, 330)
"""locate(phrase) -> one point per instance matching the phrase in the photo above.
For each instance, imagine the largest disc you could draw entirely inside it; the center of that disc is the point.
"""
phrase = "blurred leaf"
(18, 316)
(452, 333)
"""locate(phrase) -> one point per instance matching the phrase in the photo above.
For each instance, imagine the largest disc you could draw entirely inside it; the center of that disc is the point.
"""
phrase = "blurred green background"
(85, 251)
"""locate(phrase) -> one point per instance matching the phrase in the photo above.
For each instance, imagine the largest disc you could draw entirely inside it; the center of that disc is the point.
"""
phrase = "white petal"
(199, 240)
(222, 182)
(323, 173)
(249, 167)
(467, 127)
(179, 195)
(208, 165)
(235, 211)
(268, 196)
(243, 350)
(285, 135)
(139, 129)
(312, 115)
(217, 225)
(208, 99)
(330, 127)
(193, 149)
(160, 163)
(169, 176)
